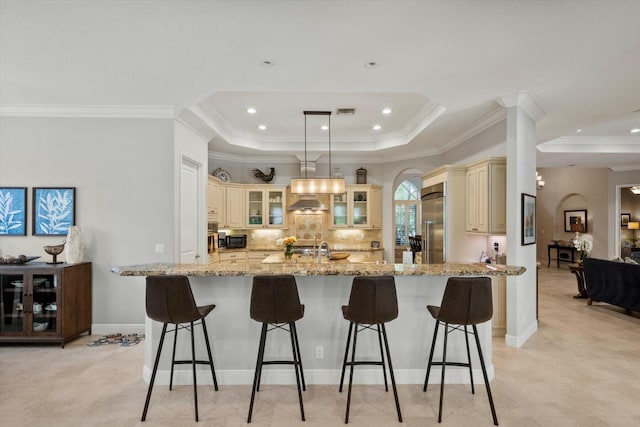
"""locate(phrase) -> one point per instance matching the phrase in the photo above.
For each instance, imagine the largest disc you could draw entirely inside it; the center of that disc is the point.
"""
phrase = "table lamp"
(578, 228)
(635, 225)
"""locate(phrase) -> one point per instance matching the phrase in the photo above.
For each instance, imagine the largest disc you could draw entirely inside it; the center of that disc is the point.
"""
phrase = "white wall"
(123, 173)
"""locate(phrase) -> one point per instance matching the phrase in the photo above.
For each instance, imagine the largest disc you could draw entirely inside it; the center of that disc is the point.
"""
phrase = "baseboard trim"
(182, 376)
(518, 341)
(115, 328)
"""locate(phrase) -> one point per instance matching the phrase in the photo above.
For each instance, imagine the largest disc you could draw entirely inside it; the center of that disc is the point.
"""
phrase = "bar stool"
(169, 300)
(466, 301)
(373, 301)
(275, 302)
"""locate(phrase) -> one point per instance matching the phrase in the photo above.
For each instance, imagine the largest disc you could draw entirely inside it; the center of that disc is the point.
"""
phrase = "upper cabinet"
(266, 206)
(486, 191)
(359, 207)
(215, 200)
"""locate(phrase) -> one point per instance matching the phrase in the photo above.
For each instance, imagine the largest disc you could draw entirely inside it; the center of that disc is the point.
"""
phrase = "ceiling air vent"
(345, 111)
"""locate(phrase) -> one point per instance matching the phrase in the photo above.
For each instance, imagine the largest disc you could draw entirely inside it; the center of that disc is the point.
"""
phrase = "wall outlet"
(159, 248)
(319, 352)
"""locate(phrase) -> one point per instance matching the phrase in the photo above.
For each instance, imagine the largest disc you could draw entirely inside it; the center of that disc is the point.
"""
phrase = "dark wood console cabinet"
(42, 302)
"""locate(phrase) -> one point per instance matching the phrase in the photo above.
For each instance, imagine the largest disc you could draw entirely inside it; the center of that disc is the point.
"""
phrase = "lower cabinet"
(42, 302)
(499, 294)
(233, 257)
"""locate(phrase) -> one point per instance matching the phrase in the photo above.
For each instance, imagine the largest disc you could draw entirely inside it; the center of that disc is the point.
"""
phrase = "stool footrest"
(464, 365)
(189, 362)
(362, 362)
(280, 362)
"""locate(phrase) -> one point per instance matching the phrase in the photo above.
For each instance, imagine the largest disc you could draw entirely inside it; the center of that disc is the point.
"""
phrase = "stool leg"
(353, 359)
(433, 346)
(263, 338)
(295, 335)
(444, 364)
(295, 366)
(206, 341)
(384, 369)
(173, 356)
(346, 353)
(486, 379)
(193, 366)
(153, 373)
(466, 340)
(393, 380)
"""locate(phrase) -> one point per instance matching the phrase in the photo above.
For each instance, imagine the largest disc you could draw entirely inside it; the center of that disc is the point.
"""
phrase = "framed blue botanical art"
(54, 210)
(13, 211)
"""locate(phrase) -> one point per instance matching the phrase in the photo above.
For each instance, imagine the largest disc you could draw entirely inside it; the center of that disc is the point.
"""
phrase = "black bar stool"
(373, 301)
(275, 302)
(169, 300)
(466, 301)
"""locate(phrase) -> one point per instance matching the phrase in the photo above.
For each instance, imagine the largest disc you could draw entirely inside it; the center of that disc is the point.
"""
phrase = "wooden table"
(559, 250)
(579, 272)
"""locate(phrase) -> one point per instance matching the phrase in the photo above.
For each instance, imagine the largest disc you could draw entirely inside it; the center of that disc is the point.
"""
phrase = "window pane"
(412, 223)
(400, 224)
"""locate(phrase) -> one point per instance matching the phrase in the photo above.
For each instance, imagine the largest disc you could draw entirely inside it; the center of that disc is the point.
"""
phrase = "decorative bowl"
(55, 249)
(339, 255)
(40, 326)
(20, 259)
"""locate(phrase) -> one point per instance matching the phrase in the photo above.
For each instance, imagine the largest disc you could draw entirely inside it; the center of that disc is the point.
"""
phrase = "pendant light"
(312, 186)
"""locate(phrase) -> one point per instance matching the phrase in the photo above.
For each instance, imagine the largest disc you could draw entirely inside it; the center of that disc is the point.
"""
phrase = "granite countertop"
(325, 269)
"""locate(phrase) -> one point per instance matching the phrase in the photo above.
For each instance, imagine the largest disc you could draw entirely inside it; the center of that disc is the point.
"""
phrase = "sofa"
(613, 282)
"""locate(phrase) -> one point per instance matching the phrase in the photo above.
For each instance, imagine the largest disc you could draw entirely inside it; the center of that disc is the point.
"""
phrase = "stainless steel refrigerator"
(433, 224)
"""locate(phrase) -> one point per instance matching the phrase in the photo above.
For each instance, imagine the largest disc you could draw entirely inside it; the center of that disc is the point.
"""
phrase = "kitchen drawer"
(260, 255)
(233, 256)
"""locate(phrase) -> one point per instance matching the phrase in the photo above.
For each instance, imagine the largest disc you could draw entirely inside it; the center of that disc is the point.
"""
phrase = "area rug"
(125, 340)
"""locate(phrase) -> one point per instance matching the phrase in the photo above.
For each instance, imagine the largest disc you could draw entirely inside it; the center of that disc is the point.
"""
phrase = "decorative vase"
(75, 250)
(288, 252)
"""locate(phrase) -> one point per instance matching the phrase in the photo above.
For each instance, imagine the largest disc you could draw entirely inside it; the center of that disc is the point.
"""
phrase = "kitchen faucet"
(323, 243)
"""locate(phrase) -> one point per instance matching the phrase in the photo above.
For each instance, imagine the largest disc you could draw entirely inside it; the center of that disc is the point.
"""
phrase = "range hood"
(307, 202)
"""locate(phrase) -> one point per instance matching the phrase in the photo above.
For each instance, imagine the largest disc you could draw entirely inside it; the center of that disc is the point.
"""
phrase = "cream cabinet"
(215, 200)
(258, 256)
(266, 206)
(486, 191)
(235, 257)
(499, 295)
(234, 207)
(359, 207)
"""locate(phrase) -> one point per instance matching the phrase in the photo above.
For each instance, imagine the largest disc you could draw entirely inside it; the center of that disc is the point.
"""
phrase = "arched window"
(406, 212)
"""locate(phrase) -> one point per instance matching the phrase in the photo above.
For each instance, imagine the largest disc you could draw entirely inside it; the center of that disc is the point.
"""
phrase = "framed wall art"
(528, 219)
(624, 219)
(13, 211)
(54, 210)
(575, 221)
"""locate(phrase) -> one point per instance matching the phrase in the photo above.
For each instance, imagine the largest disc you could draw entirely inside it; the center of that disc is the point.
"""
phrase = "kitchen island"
(323, 289)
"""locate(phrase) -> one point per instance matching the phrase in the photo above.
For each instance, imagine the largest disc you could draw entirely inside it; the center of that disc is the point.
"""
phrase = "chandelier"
(312, 186)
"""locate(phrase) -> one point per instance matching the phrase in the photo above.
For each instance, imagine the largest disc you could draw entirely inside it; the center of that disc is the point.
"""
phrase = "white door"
(188, 211)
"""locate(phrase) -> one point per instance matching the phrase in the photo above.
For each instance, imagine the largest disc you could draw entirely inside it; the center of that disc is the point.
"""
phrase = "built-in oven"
(236, 241)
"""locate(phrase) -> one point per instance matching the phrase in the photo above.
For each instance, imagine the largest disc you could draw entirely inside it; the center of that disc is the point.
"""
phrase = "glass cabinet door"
(255, 209)
(12, 305)
(276, 207)
(45, 303)
(360, 211)
(339, 211)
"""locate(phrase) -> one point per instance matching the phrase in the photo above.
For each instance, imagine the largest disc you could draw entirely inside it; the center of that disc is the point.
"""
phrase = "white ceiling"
(441, 66)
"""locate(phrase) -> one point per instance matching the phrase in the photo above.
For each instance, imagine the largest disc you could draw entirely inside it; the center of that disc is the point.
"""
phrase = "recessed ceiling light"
(636, 130)
(371, 64)
(377, 127)
(386, 111)
(262, 127)
(267, 63)
(251, 110)
(324, 127)
(579, 130)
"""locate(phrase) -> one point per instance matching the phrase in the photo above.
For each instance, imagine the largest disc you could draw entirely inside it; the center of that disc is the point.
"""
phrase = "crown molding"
(480, 125)
(524, 100)
(90, 111)
(625, 168)
(592, 144)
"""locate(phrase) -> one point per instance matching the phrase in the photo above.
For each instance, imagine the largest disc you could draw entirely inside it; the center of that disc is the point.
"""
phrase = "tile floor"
(582, 368)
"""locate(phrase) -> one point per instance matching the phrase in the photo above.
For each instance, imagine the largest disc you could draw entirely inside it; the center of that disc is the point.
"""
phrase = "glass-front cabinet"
(31, 297)
(266, 207)
(358, 207)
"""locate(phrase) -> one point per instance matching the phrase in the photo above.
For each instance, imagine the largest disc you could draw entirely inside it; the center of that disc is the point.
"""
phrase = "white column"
(522, 114)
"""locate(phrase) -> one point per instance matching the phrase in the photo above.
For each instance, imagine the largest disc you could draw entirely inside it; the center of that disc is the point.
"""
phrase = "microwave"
(236, 241)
